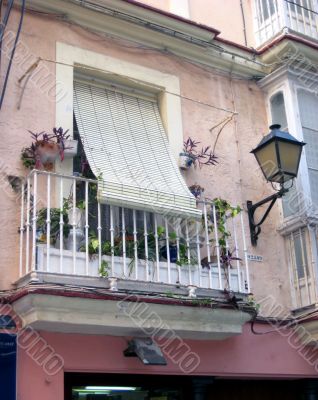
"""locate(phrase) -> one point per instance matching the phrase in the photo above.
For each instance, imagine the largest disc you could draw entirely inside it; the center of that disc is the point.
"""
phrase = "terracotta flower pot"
(46, 153)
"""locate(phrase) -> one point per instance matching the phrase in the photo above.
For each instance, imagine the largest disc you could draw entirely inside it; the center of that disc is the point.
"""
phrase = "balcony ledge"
(121, 314)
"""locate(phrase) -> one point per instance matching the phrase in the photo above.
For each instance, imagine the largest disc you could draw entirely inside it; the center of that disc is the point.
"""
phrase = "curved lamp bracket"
(255, 228)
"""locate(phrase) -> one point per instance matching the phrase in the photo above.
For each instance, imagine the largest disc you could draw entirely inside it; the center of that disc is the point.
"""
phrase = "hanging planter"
(185, 161)
(191, 156)
(70, 149)
(46, 149)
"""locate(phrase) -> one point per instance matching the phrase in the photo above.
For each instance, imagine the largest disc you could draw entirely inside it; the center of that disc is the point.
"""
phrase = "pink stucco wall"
(228, 19)
(247, 355)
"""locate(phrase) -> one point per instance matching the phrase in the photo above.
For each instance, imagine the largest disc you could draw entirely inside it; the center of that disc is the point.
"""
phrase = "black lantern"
(278, 155)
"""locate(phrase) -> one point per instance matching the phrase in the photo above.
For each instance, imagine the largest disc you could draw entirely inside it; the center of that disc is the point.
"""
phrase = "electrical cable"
(5, 18)
(31, 287)
(12, 53)
(136, 81)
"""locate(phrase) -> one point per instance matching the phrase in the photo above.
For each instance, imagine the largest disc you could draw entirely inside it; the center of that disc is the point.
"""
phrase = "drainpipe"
(244, 24)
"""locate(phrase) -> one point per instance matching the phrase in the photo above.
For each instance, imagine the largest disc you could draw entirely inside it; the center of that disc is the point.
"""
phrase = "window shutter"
(127, 148)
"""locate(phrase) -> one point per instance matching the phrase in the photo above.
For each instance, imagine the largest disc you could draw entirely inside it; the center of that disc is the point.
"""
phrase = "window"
(301, 7)
(81, 167)
(278, 114)
(266, 9)
(267, 19)
(301, 267)
(302, 16)
(127, 148)
(308, 106)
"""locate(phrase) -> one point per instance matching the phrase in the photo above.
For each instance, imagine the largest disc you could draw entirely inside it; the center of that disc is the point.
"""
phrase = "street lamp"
(278, 155)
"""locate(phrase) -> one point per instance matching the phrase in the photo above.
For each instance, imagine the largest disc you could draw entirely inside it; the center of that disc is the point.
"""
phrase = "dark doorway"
(83, 386)
(126, 387)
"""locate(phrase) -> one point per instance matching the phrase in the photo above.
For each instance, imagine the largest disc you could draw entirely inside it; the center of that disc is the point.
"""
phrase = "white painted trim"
(164, 84)
(283, 80)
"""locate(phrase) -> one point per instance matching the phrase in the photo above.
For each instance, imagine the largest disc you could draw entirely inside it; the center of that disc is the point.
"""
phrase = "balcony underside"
(121, 314)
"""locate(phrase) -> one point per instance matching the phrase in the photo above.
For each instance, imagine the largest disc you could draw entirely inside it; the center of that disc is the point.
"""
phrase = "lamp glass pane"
(289, 157)
(267, 159)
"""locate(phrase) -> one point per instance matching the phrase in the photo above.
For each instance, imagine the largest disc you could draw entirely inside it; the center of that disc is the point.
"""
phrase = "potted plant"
(45, 149)
(196, 190)
(55, 216)
(192, 156)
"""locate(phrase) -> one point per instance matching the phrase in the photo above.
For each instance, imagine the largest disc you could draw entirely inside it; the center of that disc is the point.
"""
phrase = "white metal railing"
(65, 230)
(273, 16)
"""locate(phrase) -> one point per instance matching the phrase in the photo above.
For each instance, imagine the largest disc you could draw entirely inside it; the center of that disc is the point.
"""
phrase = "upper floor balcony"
(66, 232)
(71, 240)
(274, 16)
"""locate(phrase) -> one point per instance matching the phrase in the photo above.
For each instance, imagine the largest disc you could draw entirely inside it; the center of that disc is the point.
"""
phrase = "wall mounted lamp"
(278, 155)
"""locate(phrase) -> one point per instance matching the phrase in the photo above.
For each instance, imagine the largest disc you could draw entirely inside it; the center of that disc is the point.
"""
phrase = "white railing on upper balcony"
(65, 230)
(273, 16)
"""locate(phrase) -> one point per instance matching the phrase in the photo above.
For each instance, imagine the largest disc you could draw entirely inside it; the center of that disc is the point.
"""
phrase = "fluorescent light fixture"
(111, 388)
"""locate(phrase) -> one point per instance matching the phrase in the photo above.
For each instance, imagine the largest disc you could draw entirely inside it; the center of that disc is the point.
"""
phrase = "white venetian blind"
(127, 148)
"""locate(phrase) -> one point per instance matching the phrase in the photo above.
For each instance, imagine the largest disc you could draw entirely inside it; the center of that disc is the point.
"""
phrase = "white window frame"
(268, 25)
(296, 18)
(286, 83)
(304, 288)
(166, 85)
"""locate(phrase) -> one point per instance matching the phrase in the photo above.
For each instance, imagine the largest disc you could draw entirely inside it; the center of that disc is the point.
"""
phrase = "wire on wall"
(4, 88)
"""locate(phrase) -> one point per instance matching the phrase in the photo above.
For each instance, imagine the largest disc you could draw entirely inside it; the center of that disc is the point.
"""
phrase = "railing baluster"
(123, 222)
(28, 210)
(168, 250)
(238, 267)
(245, 255)
(207, 242)
(61, 225)
(99, 234)
(198, 251)
(112, 240)
(146, 246)
(135, 244)
(87, 229)
(227, 249)
(177, 228)
(74, 227)
(157, 248)
(21, 230)
(48, 224)
(35, 190)
(188, 252)
(217, 245)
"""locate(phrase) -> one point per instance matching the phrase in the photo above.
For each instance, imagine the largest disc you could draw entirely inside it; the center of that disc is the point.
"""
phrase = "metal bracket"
(255, 228)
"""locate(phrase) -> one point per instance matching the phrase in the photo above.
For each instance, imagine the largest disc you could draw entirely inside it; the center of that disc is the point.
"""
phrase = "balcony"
(275, 16)
(68, 238)
(130, 245)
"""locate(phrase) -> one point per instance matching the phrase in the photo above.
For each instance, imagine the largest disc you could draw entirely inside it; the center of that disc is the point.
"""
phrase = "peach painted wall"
(228, 19)
(246, 356)
(235, 177)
